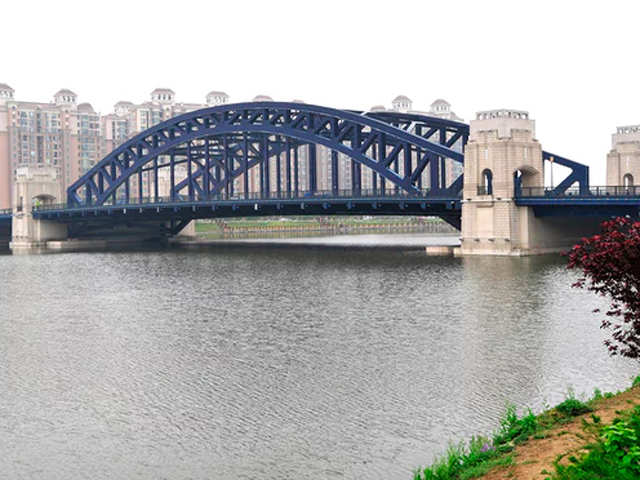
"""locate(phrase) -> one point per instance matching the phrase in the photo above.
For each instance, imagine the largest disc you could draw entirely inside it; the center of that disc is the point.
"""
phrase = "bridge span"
(256, 159)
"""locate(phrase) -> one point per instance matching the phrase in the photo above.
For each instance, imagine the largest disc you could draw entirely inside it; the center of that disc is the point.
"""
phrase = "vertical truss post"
(230, 164)
(172, 175)
(156, 195)
(218, 170)
(353, 176)
(382, 153)
(288, 169)
(113, 177)
(313, 179)
(408, 160)
(355, 166)
(261, 167)
(207, 168)
(245, 164)
(140, 182)
(100, 183)
(225, 164)
(189, 172)
(374, 176)
(265, 160)
(434, 174)
(296, 172)
(127, 186)
(278, 168)
(396, 168)
(334, 172)
(419, 154)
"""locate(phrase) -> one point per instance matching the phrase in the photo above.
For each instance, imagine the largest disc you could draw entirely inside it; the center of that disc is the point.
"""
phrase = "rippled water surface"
(271, 363)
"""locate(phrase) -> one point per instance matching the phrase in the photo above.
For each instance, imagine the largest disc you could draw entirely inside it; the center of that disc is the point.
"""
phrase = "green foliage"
(636, 381)
(615, 455)
(572, 407)
(459, 461)
(462, 462)
(514, 430)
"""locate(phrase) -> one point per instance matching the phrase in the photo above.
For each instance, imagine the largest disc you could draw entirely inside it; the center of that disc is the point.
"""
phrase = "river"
(279, 363)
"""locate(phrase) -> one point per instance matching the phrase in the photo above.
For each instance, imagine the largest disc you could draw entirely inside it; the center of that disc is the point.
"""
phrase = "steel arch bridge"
(260, 158)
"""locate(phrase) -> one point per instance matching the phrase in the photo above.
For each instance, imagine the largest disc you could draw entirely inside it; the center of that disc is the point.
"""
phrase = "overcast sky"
(572, 64)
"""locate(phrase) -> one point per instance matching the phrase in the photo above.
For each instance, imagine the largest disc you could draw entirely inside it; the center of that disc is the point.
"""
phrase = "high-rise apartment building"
(60, 133)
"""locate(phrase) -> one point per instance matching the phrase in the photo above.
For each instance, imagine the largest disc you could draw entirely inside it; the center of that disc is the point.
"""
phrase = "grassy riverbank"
(576, 440)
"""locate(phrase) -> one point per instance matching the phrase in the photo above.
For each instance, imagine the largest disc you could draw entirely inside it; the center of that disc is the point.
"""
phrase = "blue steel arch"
(374, 140)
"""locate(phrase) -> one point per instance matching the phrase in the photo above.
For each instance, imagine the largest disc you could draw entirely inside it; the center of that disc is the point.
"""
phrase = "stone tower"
(623, 161)
(502, 153)
(35, 186)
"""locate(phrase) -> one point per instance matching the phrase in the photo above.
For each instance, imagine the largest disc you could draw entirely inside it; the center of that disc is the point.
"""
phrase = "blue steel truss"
(220, 144)
(217, 146)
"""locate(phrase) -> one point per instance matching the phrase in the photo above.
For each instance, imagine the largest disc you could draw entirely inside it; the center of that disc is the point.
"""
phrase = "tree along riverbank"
(576, 440)
(330, 225)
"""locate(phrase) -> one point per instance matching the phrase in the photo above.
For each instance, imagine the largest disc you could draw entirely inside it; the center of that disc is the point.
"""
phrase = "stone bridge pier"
(501, 154)
(35, 186)
(40, 185)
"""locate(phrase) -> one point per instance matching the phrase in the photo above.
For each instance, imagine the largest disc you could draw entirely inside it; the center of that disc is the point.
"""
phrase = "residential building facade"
(60, 133)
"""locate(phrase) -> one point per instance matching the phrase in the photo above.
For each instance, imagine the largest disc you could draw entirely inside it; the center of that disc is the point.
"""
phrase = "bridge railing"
(578, 192)
(6, 211)
(306, 195)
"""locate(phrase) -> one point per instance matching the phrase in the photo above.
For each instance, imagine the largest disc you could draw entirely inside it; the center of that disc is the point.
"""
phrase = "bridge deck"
(275, 204)
(600, 195)
(589, 201)
(5, 215)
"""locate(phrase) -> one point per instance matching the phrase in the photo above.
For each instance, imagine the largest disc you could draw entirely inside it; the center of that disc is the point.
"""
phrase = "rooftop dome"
(163, 90)
(401, 98)
(216, 93)
(377, 108)
(262, 98)
(65, 91)
(85, 107)
(65, 96)
(124, 103)
(6, 92)
(162, 95)
(440, 101)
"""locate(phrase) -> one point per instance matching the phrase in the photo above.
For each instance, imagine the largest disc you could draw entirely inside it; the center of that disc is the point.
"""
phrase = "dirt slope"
(536, 455)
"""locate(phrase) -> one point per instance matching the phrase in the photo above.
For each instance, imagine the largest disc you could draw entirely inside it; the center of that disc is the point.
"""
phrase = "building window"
(627, 180)
(486, 187)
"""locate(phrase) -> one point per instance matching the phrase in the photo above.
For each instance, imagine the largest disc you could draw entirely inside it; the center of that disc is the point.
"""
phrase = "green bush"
(616, 454)
(513, 429)
(572, 407)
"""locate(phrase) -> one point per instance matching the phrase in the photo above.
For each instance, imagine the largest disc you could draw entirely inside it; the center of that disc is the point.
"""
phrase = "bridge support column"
(35, 186)
(502, 154)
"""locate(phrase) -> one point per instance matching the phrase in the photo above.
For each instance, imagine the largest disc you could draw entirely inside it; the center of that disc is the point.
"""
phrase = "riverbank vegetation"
(575, 440)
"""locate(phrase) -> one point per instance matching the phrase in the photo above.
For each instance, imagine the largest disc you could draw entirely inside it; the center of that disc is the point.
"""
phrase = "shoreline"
(351, 241)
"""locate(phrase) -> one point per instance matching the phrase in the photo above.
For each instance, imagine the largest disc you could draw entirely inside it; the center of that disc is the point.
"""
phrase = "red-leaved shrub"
(610, 264)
